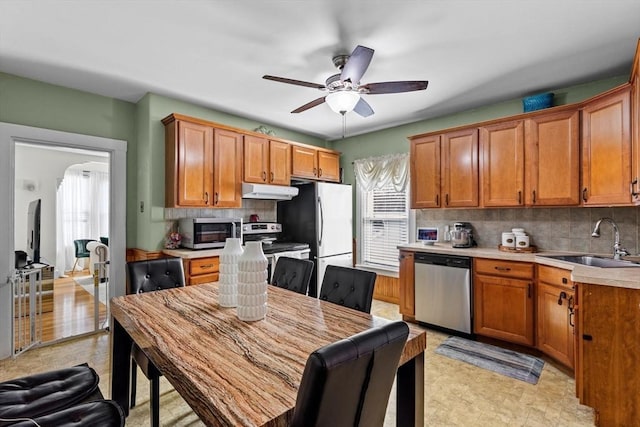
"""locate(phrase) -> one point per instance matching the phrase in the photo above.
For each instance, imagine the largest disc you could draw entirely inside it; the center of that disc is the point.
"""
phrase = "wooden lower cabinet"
(609, 353)
(201, 270)
(407, 292)
(503, 300)
(555, 314)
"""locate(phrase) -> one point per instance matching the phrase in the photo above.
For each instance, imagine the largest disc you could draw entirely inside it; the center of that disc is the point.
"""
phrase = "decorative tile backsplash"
(563, 229)
(265, 209)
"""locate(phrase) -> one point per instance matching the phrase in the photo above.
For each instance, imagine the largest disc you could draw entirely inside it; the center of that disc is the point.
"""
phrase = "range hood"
(268, 192)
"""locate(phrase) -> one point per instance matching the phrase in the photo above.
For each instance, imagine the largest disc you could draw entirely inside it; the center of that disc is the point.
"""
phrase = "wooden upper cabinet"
(606, 149)
(188, 164)
(460, 168)
(328, 166)
(227, 169)
(307, 162)
(425, 172)
(279, 163)
(304, 162)
(256, 159)
(552, 147)
(502, 164)
(635, 127)
(266, 162)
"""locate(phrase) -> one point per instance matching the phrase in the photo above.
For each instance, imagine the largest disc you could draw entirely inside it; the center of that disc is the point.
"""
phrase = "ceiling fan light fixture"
(342, 102)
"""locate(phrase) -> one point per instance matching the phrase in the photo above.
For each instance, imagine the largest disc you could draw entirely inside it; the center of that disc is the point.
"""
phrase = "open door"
(10, 135)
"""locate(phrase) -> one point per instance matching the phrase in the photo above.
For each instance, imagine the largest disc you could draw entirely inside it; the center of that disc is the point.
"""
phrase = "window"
(383, 210)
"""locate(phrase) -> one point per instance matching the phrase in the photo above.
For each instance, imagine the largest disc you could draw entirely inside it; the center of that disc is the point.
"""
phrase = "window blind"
(385, 225)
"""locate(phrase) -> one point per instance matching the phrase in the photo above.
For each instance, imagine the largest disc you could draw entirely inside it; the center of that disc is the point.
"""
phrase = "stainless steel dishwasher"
(443, 291)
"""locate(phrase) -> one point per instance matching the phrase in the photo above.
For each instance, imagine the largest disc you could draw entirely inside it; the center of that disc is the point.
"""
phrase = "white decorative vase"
(228, 278)
(252, 283)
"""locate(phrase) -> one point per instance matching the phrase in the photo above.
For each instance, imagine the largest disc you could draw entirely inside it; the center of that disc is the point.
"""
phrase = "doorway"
(71, 187)
(114, 150)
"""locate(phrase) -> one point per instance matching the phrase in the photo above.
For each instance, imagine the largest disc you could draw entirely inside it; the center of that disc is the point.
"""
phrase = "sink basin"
(594, 261)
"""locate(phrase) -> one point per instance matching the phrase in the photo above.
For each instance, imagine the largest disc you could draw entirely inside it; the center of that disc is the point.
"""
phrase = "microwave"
(208, 233)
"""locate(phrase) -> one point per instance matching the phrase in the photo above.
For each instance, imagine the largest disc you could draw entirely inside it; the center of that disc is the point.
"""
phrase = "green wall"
(394, 140)
(150, 224)
(32, 103)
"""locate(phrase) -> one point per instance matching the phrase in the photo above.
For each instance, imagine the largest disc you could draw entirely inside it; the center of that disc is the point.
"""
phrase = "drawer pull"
(502, 268)
(564, 280)
(207, 266)
(584, 194)
(587, 337)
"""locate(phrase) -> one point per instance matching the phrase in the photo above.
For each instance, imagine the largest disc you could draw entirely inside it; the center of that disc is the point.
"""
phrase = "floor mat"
(506, 362)
(86, 283)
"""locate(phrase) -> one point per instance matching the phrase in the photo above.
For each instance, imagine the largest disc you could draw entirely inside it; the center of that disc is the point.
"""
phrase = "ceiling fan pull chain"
(344, 124)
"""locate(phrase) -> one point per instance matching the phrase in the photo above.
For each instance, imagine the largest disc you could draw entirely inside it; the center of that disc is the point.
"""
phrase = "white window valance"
(378, 172)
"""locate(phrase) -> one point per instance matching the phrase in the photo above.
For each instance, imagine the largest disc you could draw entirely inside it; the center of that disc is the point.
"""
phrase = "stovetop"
(275, 247)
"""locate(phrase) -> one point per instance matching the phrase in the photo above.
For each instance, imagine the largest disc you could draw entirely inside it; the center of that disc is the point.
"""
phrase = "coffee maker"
(462, 235)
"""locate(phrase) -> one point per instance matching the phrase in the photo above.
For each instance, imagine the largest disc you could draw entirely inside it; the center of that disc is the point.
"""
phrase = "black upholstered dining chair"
(149, 276)
(347, 383)
(293, 274)
(53, 398)
(350, 287)
(81, 251)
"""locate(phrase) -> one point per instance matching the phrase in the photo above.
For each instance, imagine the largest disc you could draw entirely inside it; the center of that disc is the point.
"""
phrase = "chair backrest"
(154, 275)
(104, 240)
(293, 274)
(350, 287)
(80, 247)
(347, 383)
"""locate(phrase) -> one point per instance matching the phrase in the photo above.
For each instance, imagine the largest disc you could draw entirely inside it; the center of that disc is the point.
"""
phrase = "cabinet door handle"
(572, 321)
(315, 172)
(264, 175)
(437, 200)
(534, 196)
(446, 199)
(271, 177)
(206, 197)
(632, 185)
(319, 171)
(563, 295)
(587, 337)
(528, 290)
(519, 197)
(584, 194)
(217, 199)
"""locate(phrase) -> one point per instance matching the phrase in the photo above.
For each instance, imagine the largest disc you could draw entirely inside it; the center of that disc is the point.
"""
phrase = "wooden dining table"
(236, 373)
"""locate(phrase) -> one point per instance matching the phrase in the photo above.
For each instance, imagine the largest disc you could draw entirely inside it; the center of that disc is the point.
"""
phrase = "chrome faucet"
(618, 250)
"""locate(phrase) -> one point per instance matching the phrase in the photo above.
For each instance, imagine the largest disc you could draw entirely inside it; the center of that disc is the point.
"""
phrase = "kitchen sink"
(594, 261)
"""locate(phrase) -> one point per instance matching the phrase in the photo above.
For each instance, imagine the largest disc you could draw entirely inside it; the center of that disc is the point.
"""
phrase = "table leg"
(410, 393)
(120, 365)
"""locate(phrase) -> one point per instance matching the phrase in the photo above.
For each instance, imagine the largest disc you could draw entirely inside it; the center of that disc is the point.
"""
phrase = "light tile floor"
(456, 394)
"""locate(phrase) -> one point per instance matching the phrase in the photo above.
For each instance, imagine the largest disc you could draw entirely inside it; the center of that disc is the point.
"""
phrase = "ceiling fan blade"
(294, 82)
(357, 64)
(394, 87)
(308, 105)
(363, 108)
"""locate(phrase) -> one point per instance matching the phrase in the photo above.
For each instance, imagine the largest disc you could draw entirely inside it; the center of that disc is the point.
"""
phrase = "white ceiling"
(214, 52)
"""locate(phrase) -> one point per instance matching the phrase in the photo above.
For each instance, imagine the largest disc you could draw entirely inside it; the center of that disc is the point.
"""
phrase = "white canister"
(252, 283)
(522, 241)
(508, 240)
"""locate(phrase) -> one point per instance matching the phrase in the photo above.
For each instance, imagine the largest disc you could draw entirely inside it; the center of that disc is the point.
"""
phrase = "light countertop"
(191, 254)
(618, 277)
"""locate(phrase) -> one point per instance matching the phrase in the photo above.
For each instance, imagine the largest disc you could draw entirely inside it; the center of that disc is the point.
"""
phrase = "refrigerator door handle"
(321, 222)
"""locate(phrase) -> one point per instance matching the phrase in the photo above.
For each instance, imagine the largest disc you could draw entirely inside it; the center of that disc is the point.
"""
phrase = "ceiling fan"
(345, 89)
